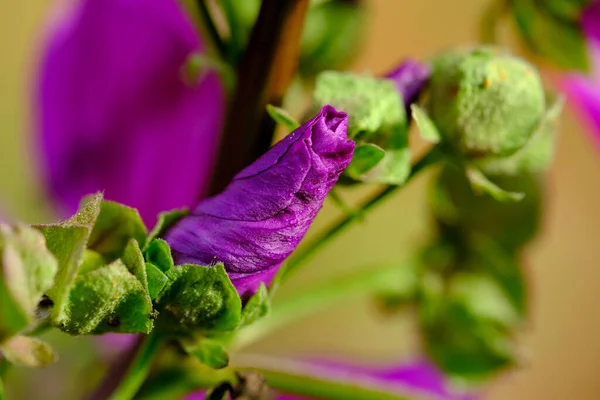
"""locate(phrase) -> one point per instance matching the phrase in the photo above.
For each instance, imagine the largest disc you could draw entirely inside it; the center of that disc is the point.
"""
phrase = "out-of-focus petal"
(410, 78)
(114, 112)
(584, 96)
(260, 218)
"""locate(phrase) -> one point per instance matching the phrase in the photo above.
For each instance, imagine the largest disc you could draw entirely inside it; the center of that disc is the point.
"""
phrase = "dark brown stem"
(263, 76)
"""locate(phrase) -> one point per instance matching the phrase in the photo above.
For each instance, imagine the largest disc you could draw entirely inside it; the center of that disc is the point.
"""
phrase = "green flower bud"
(485, 103)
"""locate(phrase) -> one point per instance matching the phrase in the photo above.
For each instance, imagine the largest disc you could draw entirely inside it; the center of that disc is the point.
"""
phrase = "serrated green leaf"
(366, 157)
(27, 271)
(282, 117)
(257, 307)
(199, 299)
(481, 183)
(208, 351)
(159, 254)
(116, 224)
(165, 221)
(28, 352)
(108, 299)
(426, 126)
(67, 240)
(157, 280)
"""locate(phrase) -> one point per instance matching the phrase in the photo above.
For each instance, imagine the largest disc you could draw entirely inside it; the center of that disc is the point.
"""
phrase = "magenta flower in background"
(259, 219)
(582, 91)
(420, 378)
(114, 111)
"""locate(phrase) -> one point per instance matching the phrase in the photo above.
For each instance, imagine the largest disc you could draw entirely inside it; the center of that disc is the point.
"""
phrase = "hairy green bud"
(485, 103)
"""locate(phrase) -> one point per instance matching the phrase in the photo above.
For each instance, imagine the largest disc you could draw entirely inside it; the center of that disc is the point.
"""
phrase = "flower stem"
(300, 257)
(125, 379)
(2, 394)
(320, 297)
(306, 380)
(263, 76)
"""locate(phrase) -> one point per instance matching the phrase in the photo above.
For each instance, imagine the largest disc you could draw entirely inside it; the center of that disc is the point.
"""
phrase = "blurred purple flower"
(582, 91)
(259, 219)
(410, 78)
(420, 378)
(114, 111)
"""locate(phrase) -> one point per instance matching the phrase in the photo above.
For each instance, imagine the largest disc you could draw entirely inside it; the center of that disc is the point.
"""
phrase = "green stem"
(321, 239)
(319, 297)
(307, 380)
(209, 29)
(488, 24)
(125, 379)
(2, 393)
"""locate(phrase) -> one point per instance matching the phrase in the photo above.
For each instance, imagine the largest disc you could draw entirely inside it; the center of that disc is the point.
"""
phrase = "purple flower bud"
(260, 218)
(410, 78)
(114, 110)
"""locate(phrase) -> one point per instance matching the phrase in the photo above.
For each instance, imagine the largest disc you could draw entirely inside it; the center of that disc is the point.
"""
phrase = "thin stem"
(319, 297)
(488, 24)
(2, 393)
(263, 76)
(125, 379)
(311, 381)
(324, 237)
(209, 28)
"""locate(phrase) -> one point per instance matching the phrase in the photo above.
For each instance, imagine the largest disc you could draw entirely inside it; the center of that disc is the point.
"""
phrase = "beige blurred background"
(560, 347)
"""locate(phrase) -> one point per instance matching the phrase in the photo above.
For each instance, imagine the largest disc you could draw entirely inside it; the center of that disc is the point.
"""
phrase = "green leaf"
(537, 155)
(108, 299)
(157, 280)
(481, 183)
(91, 261)
(426, 126)
(165, 221)
(27, 271)
(159, 254)
(282, 117)
(561, 41)
(257, 307)
(199, 299)
(393, 169)
(116, 224)
(28, 352)
(67, 241)
(208, 351)
(366, 157)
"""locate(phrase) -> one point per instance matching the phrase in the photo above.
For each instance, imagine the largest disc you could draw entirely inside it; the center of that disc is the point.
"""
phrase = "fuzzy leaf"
(199, 299)
(157, 280)
(208, 351)
(28, 352)
(257, 307)
(481, 183)
(116, 224)
(159, 254)
(165, 221)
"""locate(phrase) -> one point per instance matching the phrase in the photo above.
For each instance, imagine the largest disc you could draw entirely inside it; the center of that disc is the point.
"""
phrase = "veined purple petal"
(114, 112)
(410, 77)
(259, 219)
(420, 378)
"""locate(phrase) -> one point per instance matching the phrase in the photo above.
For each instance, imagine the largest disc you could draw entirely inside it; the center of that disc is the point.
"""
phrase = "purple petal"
(584, 96)
(260, 218)
(419, 377)
(410, 78)
(114, 112)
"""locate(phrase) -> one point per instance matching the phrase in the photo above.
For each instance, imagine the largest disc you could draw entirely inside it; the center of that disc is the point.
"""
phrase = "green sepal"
(67, 240)
(28, 352)
(559, 40)
(108, 299)
(257, 307)
(425, 124)
(377, 120)
(537, 155)
(165, 221)
(159, 254)
(481, 184)
(91, 260)
(282, 117)
(208, 351)
(199, 299)
(157, 280)
(27, 271)
(115, 226)
(198, 65)
(366, 157)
